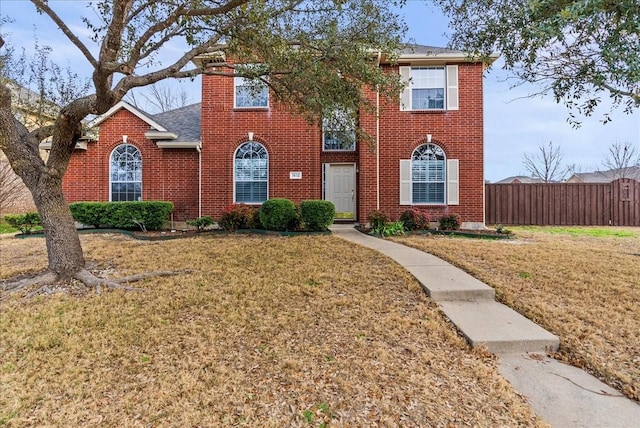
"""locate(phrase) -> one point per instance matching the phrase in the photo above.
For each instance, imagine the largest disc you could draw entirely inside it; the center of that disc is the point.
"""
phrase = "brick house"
(237, 147)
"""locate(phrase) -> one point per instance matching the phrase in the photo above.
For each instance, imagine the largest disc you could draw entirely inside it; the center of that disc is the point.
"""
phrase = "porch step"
(498, 327)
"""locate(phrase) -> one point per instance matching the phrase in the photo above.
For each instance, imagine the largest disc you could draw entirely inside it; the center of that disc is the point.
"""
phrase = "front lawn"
(6, 227)
(583, 284)
(258, 331)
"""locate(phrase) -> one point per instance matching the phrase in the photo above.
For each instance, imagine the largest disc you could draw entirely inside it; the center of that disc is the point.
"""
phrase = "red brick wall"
(167, 174)
(458, 132)
(292, 145)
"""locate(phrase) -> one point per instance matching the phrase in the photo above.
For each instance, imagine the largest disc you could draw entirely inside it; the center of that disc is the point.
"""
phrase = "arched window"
(251, 173)
(428, 174)
(125, 173)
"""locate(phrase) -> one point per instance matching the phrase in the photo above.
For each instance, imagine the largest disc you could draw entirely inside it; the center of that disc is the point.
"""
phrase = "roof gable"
(145, 117)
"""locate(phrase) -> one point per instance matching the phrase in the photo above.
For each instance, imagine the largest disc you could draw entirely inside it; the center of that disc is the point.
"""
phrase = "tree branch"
(44, 6)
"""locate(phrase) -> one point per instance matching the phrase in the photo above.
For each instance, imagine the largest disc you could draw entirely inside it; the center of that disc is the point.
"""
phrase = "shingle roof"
(183, 121)
(605, 176)
(411, 48)
(519, 179)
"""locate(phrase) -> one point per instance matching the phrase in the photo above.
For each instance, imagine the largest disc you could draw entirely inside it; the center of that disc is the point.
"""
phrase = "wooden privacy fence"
(564, 204)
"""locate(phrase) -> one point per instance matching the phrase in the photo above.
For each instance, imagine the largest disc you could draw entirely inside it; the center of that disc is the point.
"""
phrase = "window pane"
(436, 170)
(424, 99)
(251, 95)
(419, 170)
(251, 192)
(126, 174)
(428, 88)
(428, 174)
(337, 140)
(428, 193)
(338, 128)
(251, 173)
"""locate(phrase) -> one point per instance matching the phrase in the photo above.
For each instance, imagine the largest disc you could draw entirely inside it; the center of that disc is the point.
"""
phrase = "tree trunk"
(45, 183)
(63, 243)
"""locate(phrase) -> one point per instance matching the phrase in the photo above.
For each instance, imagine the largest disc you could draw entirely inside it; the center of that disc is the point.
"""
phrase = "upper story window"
(428, 174)
(429, 88)
(125, 173)
(250, 93)
(339, 131)
(251, 173)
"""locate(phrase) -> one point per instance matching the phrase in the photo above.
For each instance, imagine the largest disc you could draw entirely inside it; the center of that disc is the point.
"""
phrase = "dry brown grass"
(585, 289)
(264, 331)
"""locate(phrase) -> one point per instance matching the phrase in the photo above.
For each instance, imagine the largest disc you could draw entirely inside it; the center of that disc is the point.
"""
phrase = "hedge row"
(145, 215)
(412, 219)
(278, 214)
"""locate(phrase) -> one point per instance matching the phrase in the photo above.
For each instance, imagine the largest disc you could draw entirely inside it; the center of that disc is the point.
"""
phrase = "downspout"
(199, 149)
(378, 140)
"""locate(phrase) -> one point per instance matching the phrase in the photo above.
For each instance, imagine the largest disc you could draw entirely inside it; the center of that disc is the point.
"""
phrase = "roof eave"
(80, 145)
(444, 57)
(160, 135)
(178, 144)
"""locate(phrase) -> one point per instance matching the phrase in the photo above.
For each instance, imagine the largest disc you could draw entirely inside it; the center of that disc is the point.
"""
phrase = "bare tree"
(620, 159)
(312, 55)
(546, 163)
(11, 187)
(158, 98)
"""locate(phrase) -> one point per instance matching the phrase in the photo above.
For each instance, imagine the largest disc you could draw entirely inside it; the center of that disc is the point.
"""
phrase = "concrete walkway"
(562, 395)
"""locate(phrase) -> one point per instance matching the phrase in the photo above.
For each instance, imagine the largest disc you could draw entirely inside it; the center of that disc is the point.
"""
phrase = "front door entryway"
(340, 188)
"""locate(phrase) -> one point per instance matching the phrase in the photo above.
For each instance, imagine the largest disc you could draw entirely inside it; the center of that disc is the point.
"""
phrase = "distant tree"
(546, 164)
(312, 54)
(621, 157)
(11, 187)
(581, 51)
(159, 98)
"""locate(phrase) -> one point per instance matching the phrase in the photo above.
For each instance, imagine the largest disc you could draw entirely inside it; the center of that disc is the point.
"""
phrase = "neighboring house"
(30, 109)
(519, 179)
(607, 176)
(237, 147)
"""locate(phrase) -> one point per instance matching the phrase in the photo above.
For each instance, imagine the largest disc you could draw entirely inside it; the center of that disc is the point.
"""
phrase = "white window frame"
(339, 122)
(449, 87)
(426, 154)
(251, 87)
(451, 180)
(252, 180)
(136, 171)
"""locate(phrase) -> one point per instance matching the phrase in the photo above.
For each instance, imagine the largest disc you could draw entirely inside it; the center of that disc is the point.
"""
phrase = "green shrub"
(415, 219)
(450, 222)
(257, 223)
(201, 223)
(25, 223)
(238, 216)
(393, 229)
(89, 213)
(145, 215)
(317, 214)
(378, 220)
(278, 214)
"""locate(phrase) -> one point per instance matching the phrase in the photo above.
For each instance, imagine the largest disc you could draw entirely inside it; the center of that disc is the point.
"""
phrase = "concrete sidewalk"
(562, 395)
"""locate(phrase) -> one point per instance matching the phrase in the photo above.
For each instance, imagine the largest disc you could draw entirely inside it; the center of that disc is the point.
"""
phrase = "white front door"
(340, 188)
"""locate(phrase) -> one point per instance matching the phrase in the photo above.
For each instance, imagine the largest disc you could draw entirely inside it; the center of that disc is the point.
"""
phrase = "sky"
(514, 123)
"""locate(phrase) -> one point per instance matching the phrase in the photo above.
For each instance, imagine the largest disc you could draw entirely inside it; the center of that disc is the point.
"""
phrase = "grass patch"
(6, 227)
(582, 286)
(596, 232)
(263, 331)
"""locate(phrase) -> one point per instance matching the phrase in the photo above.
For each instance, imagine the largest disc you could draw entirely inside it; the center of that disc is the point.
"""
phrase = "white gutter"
(199, 149)
(378, 140)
